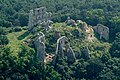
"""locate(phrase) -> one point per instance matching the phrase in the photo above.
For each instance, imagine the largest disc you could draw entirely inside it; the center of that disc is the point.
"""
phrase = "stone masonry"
(40, 46)
(103, 31)
(39, 16)
(59, 50)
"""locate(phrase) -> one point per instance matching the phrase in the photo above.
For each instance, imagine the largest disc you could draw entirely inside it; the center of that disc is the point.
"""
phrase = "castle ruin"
(39, 16)
(61, 44)
(40, 46)
(103, 31)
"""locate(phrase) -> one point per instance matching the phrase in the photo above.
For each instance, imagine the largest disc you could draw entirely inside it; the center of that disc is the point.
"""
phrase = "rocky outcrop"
(39, 16)
(40, 46)
(103, 31)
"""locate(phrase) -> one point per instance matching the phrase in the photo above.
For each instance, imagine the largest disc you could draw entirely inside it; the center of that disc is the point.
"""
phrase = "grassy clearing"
(15, 42)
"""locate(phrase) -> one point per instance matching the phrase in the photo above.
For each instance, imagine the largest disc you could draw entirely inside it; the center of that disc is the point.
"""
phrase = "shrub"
(3, 40)
(2, 31)
(17, 29)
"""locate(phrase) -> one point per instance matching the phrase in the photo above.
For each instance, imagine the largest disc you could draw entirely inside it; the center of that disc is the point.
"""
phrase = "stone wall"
(39, 16)
(40, 46)
(103, 31)
(70, 22)
(61, 44)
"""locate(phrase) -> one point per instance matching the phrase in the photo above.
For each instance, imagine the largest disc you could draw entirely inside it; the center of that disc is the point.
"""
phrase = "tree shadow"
(23, 35)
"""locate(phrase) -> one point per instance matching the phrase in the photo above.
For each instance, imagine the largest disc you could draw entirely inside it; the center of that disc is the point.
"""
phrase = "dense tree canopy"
(3, 40)
(115, 49)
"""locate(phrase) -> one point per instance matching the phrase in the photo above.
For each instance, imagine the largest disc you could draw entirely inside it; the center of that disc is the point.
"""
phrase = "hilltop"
(59, 40)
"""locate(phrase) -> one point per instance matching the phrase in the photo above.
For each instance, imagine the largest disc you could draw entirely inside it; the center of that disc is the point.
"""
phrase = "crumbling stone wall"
(39, 16)
(59, 50)
(70, 22)
(40, 46)
(103, 31)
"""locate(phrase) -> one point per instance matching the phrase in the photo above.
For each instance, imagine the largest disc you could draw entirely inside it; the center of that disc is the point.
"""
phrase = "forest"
(18, 51)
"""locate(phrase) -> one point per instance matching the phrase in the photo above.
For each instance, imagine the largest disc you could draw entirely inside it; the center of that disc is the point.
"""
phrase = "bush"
(24, 28)
(2, 31)
(3, 40)
(17, 29)
(115, 48)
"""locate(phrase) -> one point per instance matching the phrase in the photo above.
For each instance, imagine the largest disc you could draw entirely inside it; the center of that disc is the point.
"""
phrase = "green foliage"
(23, 35)
(17, 29)
(105, 57)
(111, 71)
(5, 23)
(19, 61)
(2, 31)
(9, 68)
(21, 67)
(63, 68)
(94, 67)
(95, 16)
(79, 69)
(3, 40)
(115, 49)
(23, 19)
(51, 74)
(24, 64)
(50, 41)
(78, 33)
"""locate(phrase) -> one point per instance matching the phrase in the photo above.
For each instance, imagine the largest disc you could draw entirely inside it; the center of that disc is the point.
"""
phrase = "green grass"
(15, 42)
